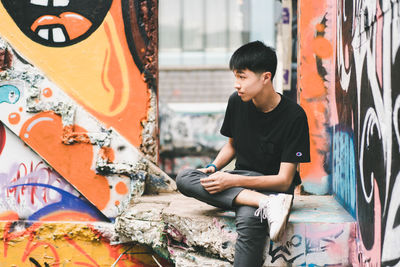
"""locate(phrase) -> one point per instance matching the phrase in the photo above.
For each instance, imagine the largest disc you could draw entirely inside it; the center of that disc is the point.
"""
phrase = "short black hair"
(256, 57)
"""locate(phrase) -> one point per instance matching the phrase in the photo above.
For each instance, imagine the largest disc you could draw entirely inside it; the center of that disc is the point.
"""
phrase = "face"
(249, 84)
(57, 23)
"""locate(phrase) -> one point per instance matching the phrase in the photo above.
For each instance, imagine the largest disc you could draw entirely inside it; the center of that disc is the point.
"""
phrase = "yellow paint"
(65, 244)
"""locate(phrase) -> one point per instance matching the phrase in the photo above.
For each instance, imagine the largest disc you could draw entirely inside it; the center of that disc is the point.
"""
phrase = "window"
(206, 32)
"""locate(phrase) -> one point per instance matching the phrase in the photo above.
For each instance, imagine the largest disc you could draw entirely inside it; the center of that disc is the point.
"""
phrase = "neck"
(267, 101)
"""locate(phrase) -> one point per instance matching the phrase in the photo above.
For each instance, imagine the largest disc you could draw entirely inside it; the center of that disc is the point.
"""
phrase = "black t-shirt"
(263, 140)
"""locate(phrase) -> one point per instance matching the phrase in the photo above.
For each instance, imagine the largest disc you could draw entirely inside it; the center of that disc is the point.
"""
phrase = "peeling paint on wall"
(43, 117)
(31, 190)
(60, 244)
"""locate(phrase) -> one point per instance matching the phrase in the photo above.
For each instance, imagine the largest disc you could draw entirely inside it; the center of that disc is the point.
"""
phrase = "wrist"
(212, 165)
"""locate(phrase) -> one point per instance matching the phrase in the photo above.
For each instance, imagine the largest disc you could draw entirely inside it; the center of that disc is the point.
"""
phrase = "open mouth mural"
(57, 23)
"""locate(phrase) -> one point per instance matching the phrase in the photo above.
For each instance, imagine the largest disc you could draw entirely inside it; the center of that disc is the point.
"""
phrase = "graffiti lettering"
(368, 65)
(284, 251)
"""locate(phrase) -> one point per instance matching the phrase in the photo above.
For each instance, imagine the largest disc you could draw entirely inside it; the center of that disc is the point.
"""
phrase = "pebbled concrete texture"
(192, 233)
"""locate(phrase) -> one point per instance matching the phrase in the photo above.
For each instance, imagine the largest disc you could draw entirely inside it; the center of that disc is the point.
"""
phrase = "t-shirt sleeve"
(297, 145)
(227, 125)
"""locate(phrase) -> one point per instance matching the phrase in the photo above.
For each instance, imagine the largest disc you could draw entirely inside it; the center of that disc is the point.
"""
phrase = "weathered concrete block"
(184, 258)
(319, 232)
(142, 223)
(202, 226)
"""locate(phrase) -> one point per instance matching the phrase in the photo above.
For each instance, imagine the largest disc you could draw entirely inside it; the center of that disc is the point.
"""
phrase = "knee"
(183, 180)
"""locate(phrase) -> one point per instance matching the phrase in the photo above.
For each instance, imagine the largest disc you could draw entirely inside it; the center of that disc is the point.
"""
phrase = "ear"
(267, 76)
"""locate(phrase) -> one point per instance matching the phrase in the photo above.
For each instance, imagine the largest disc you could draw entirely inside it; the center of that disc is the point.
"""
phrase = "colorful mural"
(68, 244)
(115, 82)
(101, 53)
(367, 106)
(31, 190)
(78, 85)
(44, 131)
(315, 88)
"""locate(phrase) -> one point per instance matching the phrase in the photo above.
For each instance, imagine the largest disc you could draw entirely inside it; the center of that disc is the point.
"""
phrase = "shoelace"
(262, 212)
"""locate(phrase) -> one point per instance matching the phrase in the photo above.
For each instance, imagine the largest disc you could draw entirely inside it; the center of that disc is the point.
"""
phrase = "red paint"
(2, 137)
(72, 242)
(7, 236)
(29, 249)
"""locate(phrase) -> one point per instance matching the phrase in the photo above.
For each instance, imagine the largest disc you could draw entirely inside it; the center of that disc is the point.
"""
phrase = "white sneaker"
(275, 208)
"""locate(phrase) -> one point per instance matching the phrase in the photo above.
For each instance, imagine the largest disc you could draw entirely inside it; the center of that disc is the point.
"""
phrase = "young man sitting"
(268, 135)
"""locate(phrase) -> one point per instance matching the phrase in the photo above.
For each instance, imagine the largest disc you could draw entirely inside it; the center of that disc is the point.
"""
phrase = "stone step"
(192, 233)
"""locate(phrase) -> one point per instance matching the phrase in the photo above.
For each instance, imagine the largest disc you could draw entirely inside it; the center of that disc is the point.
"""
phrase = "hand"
(210, 169)
(217, 182)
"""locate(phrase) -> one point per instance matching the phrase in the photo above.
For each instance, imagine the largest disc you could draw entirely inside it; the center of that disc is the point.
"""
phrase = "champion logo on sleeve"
(299, 154)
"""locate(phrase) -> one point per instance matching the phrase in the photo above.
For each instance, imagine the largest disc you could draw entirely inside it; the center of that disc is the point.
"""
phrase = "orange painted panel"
(43, 134)
(315, 82)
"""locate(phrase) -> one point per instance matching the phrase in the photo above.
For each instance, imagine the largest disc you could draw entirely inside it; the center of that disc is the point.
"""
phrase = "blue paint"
(344, 170)
(9, 94)
(67, 202)
(321, 187)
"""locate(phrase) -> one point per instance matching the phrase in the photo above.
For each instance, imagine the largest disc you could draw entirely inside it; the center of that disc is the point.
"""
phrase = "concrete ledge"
(192, 233)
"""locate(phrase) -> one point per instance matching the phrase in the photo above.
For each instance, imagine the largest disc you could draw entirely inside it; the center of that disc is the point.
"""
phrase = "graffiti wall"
(366, 136)
(40, 212)
(78, 120)
(41, 115)
(69, 244)
(189, 138)
(103, 54)
(316, 76)
(93, 122)
(354, 123)
(31, 190)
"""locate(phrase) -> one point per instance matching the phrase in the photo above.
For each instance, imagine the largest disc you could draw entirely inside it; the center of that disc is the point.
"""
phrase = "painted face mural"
(57, 23)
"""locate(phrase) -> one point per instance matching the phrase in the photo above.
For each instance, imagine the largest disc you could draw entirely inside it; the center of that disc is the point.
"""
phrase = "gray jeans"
(252, 233)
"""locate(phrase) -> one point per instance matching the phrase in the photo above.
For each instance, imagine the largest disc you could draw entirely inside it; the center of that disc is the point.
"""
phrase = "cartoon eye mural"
(9, 94)
(57, 23)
